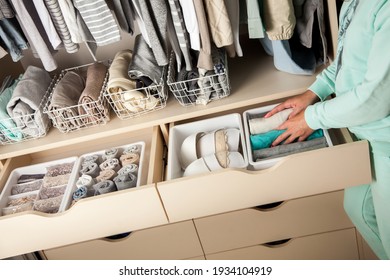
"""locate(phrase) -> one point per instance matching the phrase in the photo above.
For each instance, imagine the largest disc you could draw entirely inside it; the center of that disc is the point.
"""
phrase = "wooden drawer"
(335, 245)
(294, 218)
(93, 217)
(173, 241)
(299, 175)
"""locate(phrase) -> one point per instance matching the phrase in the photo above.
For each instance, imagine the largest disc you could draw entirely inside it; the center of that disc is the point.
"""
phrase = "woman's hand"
(296, 129)
(297, 103)
(295, 126)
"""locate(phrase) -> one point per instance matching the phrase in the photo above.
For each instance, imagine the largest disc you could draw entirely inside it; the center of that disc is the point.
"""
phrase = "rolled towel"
(130, 168)
(25, 104)
(110, 153)
(91, 170)
(64, 101)
(112, 163)
(131, 158)
(107, 174)
(259, 125)
(96, 111)
(104, 187)
(126, 181)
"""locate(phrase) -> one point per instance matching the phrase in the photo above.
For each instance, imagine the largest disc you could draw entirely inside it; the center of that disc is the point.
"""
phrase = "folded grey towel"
(24, 105)
(288, 149)
(64, 101)
(144, 62)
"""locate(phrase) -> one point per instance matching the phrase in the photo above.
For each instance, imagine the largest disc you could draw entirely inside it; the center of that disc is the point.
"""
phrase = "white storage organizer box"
(271, 161)
(47, 191)
(134, 154)
(185, 139)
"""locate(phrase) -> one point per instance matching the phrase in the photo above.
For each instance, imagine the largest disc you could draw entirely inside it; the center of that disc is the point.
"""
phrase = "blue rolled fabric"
(264, 140)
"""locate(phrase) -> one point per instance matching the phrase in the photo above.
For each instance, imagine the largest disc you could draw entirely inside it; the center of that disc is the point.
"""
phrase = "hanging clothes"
(233, 9)
(279, 19)
(12, 38)
(5, 10)
(33, 35)
(47, 24)
(181, 32)
(59, 22)
(205, 60)
(3, 52)
(219, 23)
(99, 20)
(191, 23)
(154, 18)
(125, 15)
(255, 23)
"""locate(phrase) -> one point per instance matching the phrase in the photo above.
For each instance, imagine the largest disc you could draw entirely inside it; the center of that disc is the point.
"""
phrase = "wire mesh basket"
(86, 113)
(203, 88)
(25, 127)
(140, 101)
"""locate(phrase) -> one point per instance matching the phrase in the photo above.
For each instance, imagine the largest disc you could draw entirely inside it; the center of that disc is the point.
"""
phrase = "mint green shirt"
(362, 86)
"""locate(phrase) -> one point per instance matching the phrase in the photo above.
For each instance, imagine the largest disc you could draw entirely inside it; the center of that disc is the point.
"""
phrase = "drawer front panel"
(336, 245)
(173, 241)
(299, 175)
(294, 218)
(90, 218)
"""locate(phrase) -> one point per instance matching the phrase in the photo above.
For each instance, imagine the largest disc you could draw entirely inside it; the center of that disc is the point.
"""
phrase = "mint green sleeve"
(368, 101)
(325, 82)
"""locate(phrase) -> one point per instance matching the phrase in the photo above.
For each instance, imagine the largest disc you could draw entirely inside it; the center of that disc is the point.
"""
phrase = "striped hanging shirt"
(60, 25)
(99, 20)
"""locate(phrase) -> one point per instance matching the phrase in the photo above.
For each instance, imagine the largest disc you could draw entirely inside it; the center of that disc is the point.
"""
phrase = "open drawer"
(92, 217)
(343, 165)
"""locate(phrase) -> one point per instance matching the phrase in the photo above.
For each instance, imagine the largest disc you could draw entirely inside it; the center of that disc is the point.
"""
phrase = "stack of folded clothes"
(263, 132)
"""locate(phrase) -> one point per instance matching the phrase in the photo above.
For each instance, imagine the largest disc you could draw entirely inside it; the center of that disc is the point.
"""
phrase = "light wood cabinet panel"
(335, 245)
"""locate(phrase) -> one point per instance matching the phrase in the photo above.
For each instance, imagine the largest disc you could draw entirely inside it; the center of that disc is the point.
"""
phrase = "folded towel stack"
(76, 101)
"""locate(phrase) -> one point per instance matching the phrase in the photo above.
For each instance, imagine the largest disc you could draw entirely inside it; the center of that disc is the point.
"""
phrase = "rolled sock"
(133, 149)
(130, 168)
(91, 169)
(85, 180)
(90, 159)
(107, 174)
(126, 181)
(130, 158)
(112, 163)
(110, 153)
(104, 187)
(80, 193)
